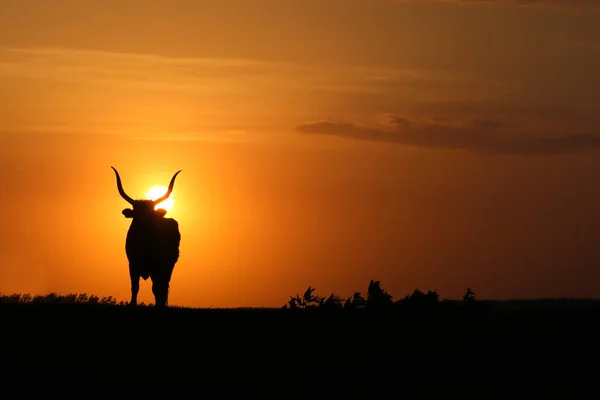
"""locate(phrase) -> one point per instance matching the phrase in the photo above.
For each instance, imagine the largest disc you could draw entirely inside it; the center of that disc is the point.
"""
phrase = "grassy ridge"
(65, 346)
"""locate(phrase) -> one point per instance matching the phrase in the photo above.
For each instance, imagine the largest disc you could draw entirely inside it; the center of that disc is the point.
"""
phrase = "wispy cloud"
(224, 75)
(141, 70)
(478, 136)
(227, 136)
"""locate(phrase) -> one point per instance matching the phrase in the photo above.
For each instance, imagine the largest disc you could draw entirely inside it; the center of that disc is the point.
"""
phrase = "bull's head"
(144, 208)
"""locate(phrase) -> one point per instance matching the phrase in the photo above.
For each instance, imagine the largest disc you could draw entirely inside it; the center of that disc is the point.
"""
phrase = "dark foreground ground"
(508, 350)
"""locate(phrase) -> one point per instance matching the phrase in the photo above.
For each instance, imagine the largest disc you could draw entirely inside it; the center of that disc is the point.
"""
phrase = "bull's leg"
(160, 289)
(160, 285)
(135, 288)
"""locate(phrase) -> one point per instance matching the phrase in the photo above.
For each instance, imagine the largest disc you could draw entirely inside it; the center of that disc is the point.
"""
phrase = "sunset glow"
(158, 191)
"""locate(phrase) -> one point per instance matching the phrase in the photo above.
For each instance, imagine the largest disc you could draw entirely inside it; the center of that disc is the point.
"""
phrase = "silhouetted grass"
(376, 302)
(57, 299)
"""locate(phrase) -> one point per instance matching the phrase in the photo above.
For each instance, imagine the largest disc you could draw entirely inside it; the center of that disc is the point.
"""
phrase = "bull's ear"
(128, 213)
(161, 212)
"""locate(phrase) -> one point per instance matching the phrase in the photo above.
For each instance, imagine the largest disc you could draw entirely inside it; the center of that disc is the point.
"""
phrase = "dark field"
(483, 349)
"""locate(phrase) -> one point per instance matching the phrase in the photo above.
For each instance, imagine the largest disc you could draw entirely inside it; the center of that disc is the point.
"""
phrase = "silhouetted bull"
(152, 244)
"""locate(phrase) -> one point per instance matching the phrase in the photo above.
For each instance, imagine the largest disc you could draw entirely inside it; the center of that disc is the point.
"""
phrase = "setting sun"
(158, 191)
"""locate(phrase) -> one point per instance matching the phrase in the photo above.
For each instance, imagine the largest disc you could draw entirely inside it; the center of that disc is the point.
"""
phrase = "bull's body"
(152, 249)
(152, 245)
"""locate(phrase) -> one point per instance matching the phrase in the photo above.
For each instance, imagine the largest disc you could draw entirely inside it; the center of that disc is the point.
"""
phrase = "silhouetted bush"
(377, 297)
(420, 298)
(308, 300)
(332, 302)
(356, 301)
(469, 296)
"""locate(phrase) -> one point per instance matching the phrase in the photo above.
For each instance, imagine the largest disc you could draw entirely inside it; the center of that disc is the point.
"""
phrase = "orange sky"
(425, 144)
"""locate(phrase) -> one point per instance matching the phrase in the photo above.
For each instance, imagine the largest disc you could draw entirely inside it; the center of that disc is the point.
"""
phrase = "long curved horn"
(166, 195)
(120, 187)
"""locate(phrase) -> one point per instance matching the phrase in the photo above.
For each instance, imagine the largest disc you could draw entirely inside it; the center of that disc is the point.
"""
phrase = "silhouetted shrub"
(308, 300)
(469, 296)
(332, 302)
(377, 297)
(420, 298)
(356, 301)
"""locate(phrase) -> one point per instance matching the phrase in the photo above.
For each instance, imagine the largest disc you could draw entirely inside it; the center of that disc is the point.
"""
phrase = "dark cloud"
(478, 136)
(562, 3)
(567, 4)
